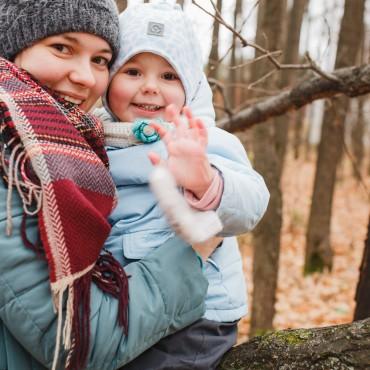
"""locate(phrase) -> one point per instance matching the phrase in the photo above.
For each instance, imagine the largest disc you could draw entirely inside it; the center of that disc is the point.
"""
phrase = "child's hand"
(186, 145)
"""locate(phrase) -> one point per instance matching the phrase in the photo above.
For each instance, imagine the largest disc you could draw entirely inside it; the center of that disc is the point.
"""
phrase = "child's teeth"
(149, 107)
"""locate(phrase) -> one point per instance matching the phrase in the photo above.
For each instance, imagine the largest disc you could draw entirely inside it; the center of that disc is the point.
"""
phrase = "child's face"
(74, 65)
(143, 87)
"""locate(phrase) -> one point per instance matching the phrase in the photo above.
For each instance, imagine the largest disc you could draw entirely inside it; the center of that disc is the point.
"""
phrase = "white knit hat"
(163, 29)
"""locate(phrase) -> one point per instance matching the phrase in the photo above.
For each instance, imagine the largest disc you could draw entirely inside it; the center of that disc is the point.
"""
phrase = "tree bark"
(319, 254)
(342, 347)
(213, 58)
(298, 121)
(266, 236)
(357, 138)
(290, 56)
(359, 128)
(362, 309)
(234, 75)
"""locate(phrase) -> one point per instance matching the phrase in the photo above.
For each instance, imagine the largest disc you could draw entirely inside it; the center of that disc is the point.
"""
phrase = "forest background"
(290, 78)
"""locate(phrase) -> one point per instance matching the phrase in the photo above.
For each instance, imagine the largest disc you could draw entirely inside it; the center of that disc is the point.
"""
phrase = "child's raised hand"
(186, 146)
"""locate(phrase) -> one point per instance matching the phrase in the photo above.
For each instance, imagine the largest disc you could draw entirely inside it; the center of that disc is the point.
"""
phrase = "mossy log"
(341, 347)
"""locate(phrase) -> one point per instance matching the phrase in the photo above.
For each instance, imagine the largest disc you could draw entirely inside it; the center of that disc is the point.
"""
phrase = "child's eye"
(132, 72)
(170, 76)
(101, 61)
(61, 48)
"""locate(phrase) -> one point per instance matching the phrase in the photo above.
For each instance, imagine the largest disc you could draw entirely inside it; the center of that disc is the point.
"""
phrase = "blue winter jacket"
(138, 224)
(164, 297)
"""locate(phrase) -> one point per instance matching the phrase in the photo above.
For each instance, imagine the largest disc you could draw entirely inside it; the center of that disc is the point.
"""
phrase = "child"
(159, 64)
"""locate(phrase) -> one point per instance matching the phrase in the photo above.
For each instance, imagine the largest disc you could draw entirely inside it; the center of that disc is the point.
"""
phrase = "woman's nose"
(82, 74)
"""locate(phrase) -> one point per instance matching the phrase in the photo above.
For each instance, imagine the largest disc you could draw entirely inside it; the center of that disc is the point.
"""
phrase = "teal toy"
(144, 132)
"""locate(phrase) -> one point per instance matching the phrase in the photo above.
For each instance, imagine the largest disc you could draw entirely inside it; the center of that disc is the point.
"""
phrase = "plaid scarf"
(53, 154)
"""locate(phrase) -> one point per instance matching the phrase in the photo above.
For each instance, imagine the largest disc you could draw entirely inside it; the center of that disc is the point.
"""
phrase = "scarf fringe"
(14, 169)
(75, 333)
(111, 278)
(59, 309)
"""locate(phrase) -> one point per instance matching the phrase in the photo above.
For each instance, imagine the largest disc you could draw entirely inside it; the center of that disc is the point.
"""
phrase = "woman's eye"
(132, 72)
(101, 61)
(61, 48)
(170, 76)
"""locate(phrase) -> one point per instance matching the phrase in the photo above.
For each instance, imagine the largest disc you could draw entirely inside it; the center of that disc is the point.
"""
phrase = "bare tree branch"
(219, 18)
(251, 61)
(268, 54)
(351, 81)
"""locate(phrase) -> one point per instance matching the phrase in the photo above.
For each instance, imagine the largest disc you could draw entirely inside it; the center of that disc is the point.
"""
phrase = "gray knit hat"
(163, 29)
(24, 22)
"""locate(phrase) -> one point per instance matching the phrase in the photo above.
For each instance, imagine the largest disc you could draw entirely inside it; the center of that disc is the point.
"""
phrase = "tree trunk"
(318, 251)
(214, 57)
(362, 309)
(266, 236)
(234, 77)
(358, 128)
(298, 121)
(290, 56)
(357, 138)
(342, 347)
(122, 5)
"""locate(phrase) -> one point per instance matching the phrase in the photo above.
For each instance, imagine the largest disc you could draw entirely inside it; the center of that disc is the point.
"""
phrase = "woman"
(56, 188)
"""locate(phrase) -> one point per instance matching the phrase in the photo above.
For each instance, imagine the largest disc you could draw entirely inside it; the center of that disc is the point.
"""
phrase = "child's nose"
(150, 86)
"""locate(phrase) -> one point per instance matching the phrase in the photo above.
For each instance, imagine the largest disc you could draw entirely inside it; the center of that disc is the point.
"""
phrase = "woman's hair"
(22, 23)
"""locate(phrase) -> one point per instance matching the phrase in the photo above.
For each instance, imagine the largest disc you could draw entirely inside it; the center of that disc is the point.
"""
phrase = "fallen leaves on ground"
(318, 299)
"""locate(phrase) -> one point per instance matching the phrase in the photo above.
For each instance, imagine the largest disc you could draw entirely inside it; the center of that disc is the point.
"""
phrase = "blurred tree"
(362, 309)
(214, 56)
(266, 236)
(234, 76)
(357, 137)
(358, 129)
(298, 127)
(318, 249)
(287, 77)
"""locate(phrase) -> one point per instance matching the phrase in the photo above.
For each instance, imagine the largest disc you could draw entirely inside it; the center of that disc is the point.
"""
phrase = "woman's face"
(74, 65)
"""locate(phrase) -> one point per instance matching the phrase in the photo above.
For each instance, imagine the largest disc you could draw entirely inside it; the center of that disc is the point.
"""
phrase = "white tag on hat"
(155, 29)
